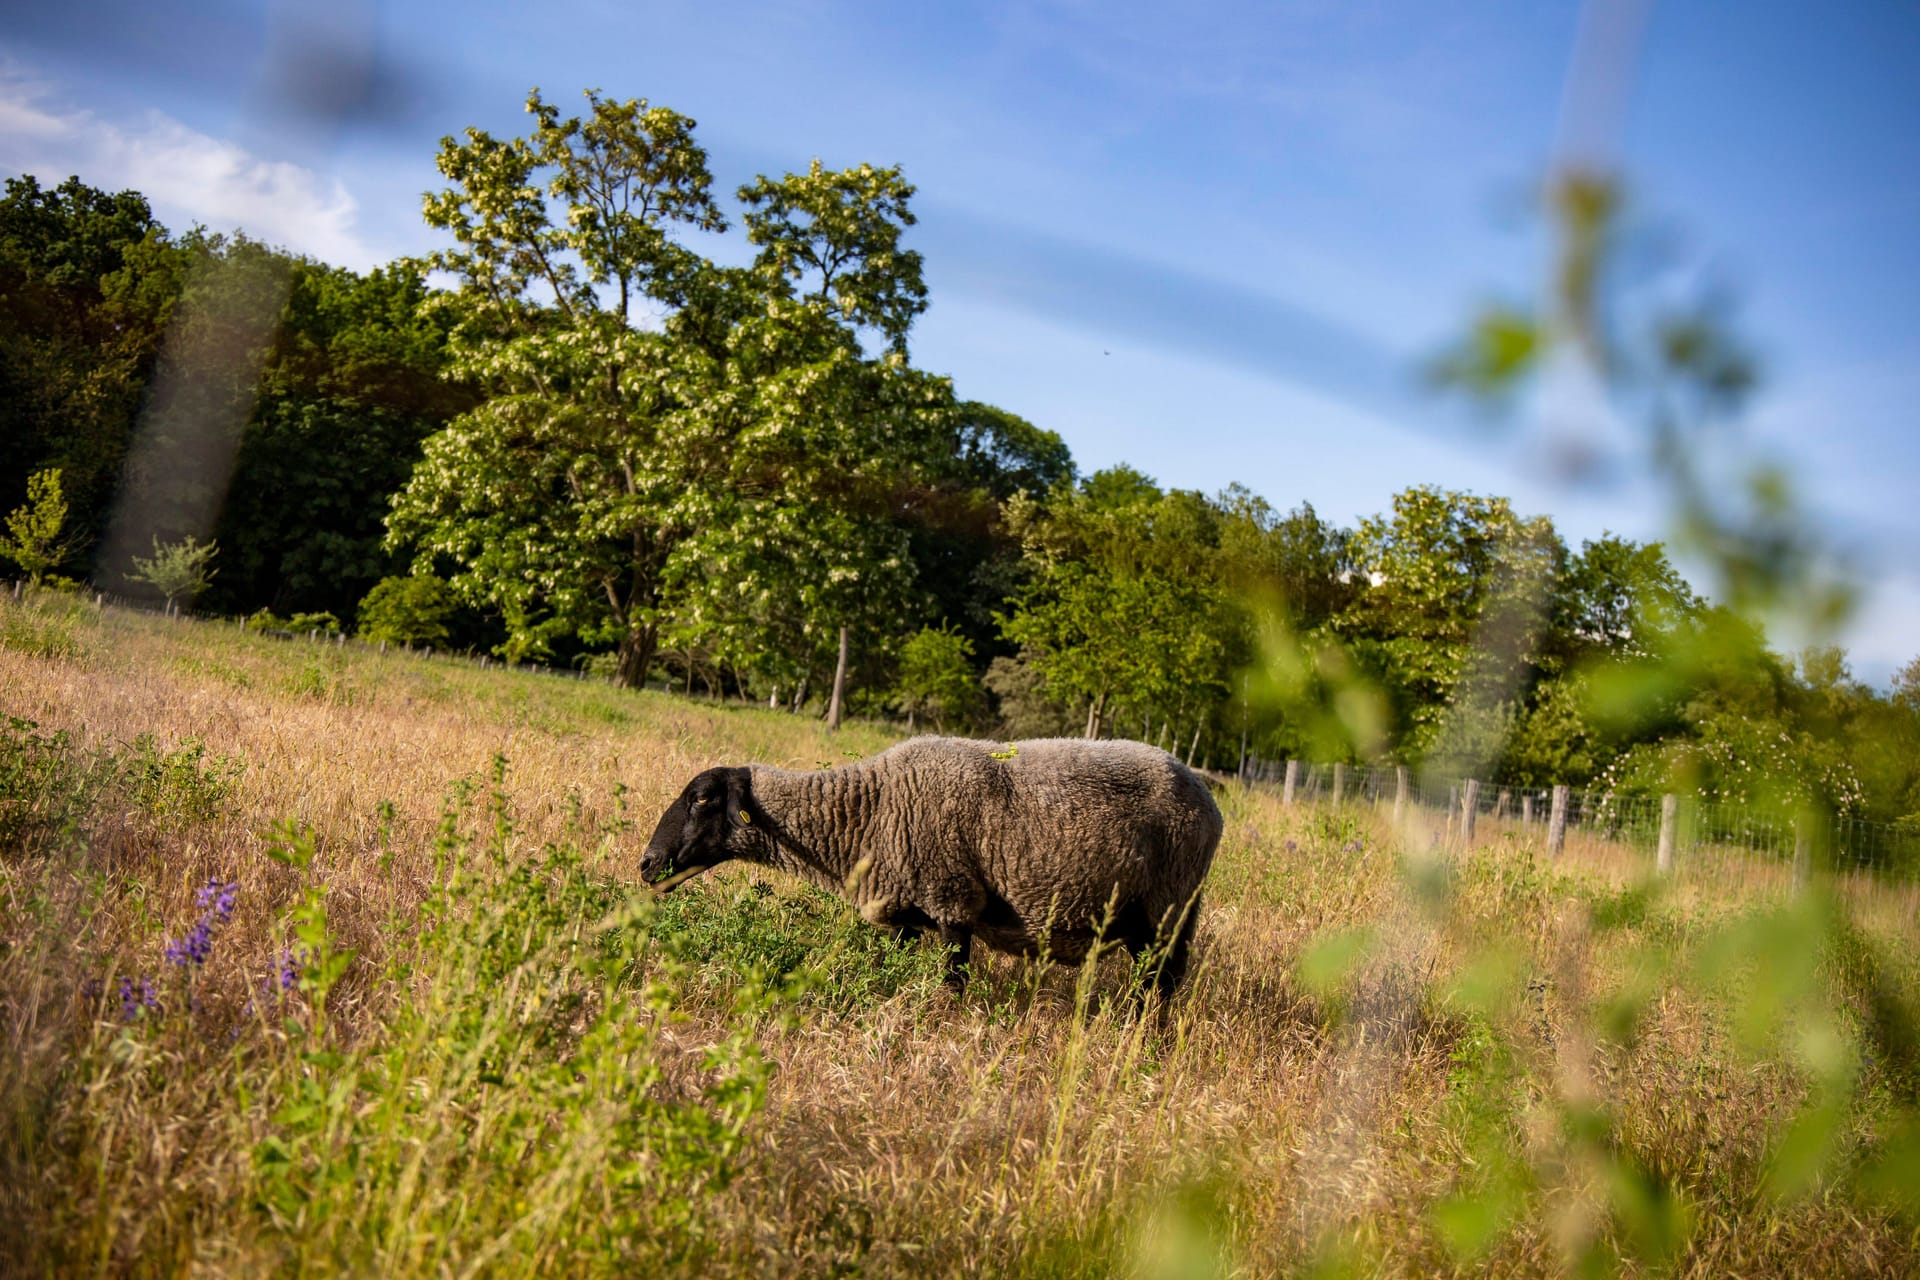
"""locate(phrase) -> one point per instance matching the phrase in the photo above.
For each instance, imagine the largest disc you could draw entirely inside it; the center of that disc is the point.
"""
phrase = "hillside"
(320, 960)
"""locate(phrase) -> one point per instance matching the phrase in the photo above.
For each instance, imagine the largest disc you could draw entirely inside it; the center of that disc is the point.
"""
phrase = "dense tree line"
(121, 343)
(598, 446)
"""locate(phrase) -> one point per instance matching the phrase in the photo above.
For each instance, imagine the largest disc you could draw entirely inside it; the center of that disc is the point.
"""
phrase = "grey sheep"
(1048, 843)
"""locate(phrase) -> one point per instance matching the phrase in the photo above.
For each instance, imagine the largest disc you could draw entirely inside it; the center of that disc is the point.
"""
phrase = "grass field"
(317, 961)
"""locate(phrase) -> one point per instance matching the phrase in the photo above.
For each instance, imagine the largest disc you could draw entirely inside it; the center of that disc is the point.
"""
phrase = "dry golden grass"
(1382, 1064)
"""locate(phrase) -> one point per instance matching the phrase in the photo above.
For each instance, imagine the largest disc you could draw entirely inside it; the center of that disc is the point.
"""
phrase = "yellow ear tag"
(744, 817)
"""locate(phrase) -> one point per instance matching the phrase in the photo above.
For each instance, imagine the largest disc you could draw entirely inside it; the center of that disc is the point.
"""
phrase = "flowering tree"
(666, 445)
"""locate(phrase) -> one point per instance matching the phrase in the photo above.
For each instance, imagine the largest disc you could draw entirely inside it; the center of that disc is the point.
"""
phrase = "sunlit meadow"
(315, 960)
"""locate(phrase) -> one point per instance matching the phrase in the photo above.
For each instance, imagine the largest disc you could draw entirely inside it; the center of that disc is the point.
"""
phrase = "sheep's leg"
(906, 924)
(1173, 966)
(1169, 954)
(959, 943)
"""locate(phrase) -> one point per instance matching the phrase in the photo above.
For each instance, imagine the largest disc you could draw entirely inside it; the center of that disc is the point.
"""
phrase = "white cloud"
(189, 176)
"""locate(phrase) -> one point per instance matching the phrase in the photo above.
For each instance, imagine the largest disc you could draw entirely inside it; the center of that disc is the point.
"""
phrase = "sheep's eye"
(699, 800)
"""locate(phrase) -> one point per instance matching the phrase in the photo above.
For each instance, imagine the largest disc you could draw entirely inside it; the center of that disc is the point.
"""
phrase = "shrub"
(48, 785)
(45, 627)
(301, 623)
(411, 610)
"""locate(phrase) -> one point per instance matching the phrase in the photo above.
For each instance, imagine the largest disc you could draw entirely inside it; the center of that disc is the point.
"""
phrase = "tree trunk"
(636, 656)
(839, 685)
(1094, 710)
(1194, 746)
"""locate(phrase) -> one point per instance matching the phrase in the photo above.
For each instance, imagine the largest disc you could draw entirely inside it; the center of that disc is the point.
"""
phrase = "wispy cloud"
(188, 175)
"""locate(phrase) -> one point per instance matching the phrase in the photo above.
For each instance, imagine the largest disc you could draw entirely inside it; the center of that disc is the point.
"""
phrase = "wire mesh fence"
(1689, 837)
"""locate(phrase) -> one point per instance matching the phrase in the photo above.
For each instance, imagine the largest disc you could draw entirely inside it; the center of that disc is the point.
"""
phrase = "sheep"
(1047, 845)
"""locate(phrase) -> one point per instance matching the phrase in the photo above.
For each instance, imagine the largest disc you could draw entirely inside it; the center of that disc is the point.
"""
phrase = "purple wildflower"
(216, 901)
(136, 997)
(289, 974)
(1292, 845)
(1354, 847)
(195, 947)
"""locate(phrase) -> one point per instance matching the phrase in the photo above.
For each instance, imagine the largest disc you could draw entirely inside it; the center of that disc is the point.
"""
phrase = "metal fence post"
(1669, 810)
(1469, 808)
(1557, 821)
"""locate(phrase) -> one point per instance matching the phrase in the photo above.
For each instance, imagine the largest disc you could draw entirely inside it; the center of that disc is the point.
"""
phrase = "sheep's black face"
(697, 829)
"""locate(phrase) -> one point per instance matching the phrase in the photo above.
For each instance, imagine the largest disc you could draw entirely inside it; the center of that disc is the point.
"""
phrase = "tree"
(1906, 687)
(1125, 611)
(1620, 597)
(936, 676)
(728, 477)
(87, 282)
(350, 388)
(1298, 559)
(1452, 598)
(1002, 454)
(36, 531)
(966, 561)
(179, 570)
(555, 497)
(839, 233)
(410, 610)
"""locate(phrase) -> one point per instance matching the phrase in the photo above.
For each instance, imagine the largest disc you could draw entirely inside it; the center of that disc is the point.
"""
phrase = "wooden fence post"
(1526, 812)
(1557, 821)
(1802, 856)
(1469, 809)
(1399, 790)
(1293, 782)
(1339, 783)
(1669, 810)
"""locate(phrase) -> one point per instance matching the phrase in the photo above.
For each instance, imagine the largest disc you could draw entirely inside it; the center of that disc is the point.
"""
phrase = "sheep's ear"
(740, 797)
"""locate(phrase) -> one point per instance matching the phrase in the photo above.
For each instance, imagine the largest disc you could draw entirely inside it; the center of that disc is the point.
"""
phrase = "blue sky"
(1215, 241)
